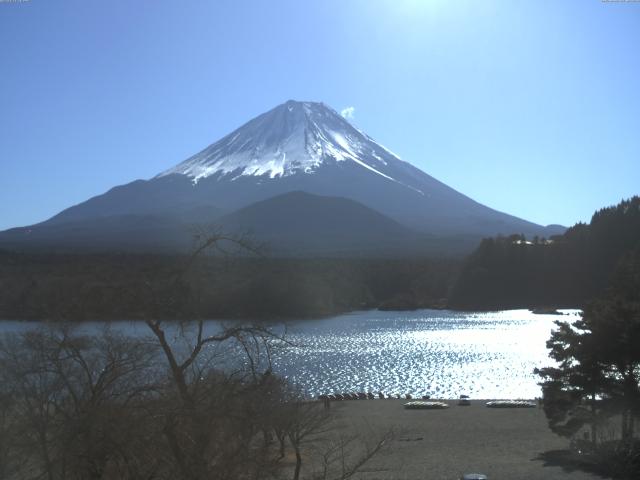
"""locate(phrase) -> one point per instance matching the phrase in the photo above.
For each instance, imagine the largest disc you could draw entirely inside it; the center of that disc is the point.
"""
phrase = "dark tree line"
(565, 270)
(102, 287)
(503, 272)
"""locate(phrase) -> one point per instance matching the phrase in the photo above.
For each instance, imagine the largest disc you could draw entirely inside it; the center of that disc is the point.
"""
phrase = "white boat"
(420, 405)
(511, 404)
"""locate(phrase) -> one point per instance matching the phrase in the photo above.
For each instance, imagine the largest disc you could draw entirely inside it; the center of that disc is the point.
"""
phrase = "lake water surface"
(439, 352)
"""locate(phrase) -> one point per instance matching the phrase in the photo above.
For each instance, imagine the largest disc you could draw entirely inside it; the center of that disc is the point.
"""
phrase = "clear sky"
(530, 107)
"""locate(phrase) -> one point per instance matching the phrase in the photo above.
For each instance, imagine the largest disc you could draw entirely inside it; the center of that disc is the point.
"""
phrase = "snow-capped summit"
(294, 137)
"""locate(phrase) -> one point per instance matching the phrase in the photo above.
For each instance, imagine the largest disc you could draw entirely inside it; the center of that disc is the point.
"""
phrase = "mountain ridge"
(323, 225)
(308, 147)
(292, 137)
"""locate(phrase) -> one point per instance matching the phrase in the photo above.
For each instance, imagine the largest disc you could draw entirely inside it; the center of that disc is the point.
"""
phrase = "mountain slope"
(306, 147)
(164, 232)
(292, 224)
(301, 223)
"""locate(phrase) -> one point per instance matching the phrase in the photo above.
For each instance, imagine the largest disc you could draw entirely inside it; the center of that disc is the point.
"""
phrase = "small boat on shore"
(420, 405)
(511, 404)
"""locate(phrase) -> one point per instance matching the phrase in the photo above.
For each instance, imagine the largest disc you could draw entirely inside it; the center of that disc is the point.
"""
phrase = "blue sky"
(530, 107)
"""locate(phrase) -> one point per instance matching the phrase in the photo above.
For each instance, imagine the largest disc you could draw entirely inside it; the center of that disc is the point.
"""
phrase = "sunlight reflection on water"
(442, 353)
(439, 352)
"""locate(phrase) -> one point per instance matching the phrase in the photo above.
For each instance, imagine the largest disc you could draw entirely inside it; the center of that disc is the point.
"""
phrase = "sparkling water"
(437, 352)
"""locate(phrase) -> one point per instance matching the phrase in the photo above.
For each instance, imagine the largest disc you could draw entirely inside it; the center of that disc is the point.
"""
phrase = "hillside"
(565, 270)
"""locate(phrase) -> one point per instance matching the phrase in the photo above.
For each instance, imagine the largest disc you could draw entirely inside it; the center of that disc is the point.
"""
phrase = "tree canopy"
(564, 270)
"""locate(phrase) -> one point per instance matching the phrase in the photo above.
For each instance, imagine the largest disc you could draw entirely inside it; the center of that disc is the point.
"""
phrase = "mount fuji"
(300, 166)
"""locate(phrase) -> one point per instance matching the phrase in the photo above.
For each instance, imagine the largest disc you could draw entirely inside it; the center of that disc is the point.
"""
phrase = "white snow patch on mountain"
(296, 137)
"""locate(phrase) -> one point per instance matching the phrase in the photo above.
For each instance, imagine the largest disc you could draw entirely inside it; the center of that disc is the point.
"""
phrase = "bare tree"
(342, 456)
(211, 426)
(194, 401)
(68, 401)
(306, 420)
(332, 453)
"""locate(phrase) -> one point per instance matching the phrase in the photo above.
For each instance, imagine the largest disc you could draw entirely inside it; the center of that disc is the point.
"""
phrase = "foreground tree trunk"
(594, 420)
(296, 473)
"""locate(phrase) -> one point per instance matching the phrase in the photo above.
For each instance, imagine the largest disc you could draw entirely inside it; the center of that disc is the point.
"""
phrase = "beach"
(502, 443)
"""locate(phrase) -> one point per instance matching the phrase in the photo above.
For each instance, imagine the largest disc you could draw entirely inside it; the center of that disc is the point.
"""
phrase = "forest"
(562, 271)
(503, 272)
(122, 286)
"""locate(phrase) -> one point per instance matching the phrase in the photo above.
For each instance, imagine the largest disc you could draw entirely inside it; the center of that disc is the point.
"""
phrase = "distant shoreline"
(268, 319)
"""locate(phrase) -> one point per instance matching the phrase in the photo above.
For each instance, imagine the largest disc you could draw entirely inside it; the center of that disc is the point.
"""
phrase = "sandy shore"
(443, 444)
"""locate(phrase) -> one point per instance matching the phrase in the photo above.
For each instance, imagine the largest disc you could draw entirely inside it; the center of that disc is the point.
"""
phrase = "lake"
(439, 352)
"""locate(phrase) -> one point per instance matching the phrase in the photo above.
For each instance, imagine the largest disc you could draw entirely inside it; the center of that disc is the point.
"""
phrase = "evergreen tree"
(506, 272)
(598, 372)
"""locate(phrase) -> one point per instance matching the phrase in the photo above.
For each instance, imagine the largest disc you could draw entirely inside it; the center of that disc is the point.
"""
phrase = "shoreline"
(301, 318)
(452, 402)
(513, 443)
